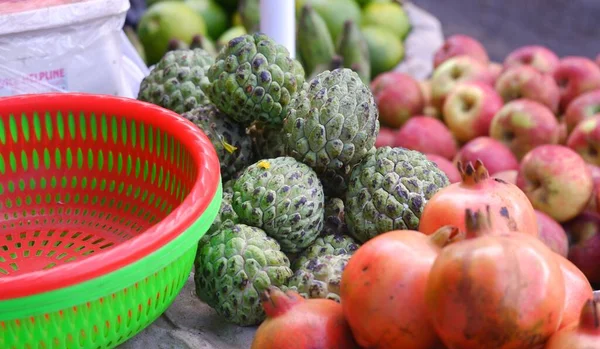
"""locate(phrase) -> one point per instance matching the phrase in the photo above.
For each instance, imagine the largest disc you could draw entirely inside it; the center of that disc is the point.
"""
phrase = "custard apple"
(268, 141)
(254, 79)
(176, 82)
(388, 191)
(283, 197)
(334, 221)
(226, 213)
(332, 125)
(233, 266)
(327, 244)
(233, 145)
(320, 277)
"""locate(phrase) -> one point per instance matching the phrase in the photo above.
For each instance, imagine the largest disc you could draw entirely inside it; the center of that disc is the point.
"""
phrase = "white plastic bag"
(66, 46)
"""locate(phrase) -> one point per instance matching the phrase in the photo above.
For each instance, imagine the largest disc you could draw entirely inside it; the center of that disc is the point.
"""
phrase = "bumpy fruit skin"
(388, 191)
(332, 125)
(233, 145)
(335, 220)
(254, 79)
(327, 244)
(177, 81)
(320, 277)
(233, 267)
(226, 213)
(284, 197)
(268, 141)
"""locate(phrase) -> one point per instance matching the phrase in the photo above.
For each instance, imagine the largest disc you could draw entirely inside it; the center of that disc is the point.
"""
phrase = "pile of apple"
(534, 120)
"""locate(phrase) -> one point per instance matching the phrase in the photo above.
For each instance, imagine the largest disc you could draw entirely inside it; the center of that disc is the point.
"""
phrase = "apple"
(585, 244)
(425, 91)
(556, 180)
(594, 204)
(576, 76)
(563, 134)
(509, 176)
(538, 57)
(552, 234)
(453, 71)
(495, 155)
(398, 97)
(427, 135)
(523, 125)
(582, 107)
(495, 70)
(526, 82)
(585, 140)
(446, 166)
(460, 45)
(469, 109)
(386, 137)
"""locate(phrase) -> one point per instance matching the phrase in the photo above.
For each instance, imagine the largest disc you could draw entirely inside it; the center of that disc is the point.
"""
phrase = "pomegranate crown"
(477, 221)
(590, 315)
(472, 173)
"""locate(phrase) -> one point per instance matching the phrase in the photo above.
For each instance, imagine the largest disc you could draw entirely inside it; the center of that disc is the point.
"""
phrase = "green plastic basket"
(102, 203)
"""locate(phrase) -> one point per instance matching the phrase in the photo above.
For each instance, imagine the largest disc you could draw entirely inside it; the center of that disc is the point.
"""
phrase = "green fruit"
(269, 142)
(333, 244)
(387, 15)
(284, 198)
(335, 221)
(230, 34)
(176, 81)
(201, 41)
(354, 50)
(229, 5)
(254, 79)
(389, 190)
(320, 277)
(215, 17)
(236, 20)
(233, 266)
(314, 41)
(334, 13)
(385, 49)
(164, 21)
(233, 145)
(226, 215)
(249, 11)
(331, 126)
(364, 3)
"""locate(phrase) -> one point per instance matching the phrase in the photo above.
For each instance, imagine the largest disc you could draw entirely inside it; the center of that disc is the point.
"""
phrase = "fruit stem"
(589, 320)
(478, 222)
(472, 174)
(275, 302)
(447, 235)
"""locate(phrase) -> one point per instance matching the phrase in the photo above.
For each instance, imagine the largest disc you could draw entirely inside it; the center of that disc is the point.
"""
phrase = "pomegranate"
(586, 335)
(585, 244)
(577, 291)
(509, 206)
(501, 291)
(552, 234)
(382, 289)
(296, 323)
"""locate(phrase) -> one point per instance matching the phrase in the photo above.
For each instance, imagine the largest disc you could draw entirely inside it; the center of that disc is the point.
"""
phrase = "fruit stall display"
(367, 36)
(458, 212)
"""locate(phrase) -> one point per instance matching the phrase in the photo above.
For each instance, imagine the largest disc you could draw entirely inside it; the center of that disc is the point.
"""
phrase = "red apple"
(576, 76)
(385, 138)
(460, 45)
(585, 244)
(556, 180)
(446, 166)
(526, 82)
(495, 70)
(427, 135)
(563, 133)
(495, 155)
(509, 176)
(535, 56)
(453, 71)
(552, 234)
(594, 204)
(398, 97)
(584, 106)
(585, 140)
(469, 109)
(523, 125)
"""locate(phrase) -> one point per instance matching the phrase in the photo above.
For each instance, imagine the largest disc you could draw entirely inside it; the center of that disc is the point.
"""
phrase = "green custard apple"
(332, 125)
(254, 79)
(269, 142)
(233, 145)
(226, 215)
(389, 190)
(320, 277)
(176, 82)
(233, 266)
(283, 197)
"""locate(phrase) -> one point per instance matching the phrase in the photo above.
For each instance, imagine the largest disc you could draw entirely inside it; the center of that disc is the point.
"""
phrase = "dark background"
(568, 27)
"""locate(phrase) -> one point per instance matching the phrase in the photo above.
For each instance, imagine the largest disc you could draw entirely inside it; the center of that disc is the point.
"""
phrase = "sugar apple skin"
(332, 125)
(232, 144)
(226, 213)
(327, 244)
(254, 79)
(176, 82)
(268, 141)
(233, 266)
(334, 219)
(283, 197)
(320, 277)
(389, 190)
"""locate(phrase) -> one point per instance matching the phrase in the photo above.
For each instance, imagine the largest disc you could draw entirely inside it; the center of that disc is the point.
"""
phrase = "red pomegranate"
(577, 291)
(585, 335)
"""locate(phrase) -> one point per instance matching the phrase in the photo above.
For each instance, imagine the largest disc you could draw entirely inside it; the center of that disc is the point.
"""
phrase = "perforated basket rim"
(194, 204)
